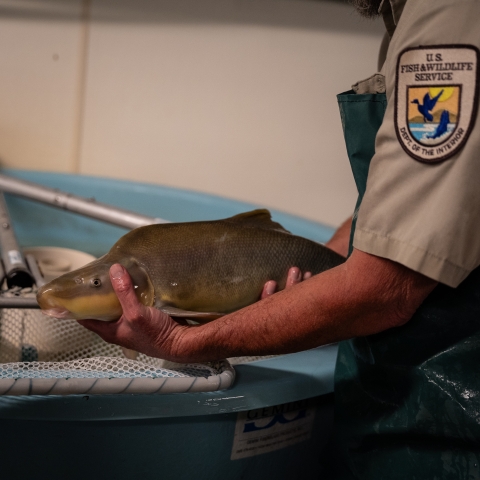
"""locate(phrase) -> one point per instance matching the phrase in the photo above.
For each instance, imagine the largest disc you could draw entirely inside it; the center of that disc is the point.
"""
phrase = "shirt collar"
(391, 11)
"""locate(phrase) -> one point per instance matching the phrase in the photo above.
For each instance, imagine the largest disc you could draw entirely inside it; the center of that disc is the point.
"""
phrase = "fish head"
(81, 294)
(87, 293)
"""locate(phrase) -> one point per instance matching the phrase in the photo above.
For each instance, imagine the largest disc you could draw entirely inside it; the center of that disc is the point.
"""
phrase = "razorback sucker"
(197, 270)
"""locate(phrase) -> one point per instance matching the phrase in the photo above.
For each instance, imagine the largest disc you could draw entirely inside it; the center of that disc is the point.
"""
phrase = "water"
(421, 132)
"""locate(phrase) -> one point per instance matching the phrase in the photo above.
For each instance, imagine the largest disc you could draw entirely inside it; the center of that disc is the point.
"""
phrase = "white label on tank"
(15, 256)
(271, 428)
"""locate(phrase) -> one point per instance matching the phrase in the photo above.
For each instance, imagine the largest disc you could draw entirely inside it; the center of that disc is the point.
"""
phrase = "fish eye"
(95, 282)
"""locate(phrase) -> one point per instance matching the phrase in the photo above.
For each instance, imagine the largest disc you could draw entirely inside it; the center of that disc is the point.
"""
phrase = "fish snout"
(51, 304)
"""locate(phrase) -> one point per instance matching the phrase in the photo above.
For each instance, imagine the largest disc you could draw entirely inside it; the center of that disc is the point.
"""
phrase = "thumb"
(123, 286)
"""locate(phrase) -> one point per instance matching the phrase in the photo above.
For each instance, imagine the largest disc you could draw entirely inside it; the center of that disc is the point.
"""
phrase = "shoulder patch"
(436, 100)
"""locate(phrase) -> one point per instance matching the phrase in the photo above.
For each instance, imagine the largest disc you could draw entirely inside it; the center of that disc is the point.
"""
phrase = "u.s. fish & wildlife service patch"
(436, 100)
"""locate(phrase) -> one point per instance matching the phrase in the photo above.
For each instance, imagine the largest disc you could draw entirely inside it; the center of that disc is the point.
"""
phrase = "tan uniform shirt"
(422, 203)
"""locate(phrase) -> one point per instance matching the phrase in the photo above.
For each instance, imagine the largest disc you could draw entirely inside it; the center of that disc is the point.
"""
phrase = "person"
(406, 303)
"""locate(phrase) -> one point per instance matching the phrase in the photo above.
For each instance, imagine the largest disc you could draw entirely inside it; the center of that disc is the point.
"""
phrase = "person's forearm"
(338, 304)
(365, 295)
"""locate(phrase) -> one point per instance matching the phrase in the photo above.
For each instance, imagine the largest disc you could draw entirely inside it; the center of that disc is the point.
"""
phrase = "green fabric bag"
(407, 400)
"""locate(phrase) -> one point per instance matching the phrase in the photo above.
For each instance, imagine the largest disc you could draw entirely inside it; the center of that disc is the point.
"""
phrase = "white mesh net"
(43, 355)
(35, 348)
(99, 367)
(28, 335)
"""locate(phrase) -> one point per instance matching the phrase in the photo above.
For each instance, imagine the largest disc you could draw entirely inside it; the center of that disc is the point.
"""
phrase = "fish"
(192, 270)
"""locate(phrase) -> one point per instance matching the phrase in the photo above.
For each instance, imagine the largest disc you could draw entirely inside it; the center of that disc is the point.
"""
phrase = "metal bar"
(16, 268)
(18, 302)
(76, 204)
(2, 273)
(34, 270)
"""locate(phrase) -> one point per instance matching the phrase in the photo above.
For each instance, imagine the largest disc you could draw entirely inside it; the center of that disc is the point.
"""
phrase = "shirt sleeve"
(422, 203)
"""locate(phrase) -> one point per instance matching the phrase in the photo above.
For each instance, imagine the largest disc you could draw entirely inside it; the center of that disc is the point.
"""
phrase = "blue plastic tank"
(274, 423)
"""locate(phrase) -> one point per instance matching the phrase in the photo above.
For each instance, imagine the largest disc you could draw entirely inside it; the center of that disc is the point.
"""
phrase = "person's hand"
(294, 276)
(141, 328)
(151, 331)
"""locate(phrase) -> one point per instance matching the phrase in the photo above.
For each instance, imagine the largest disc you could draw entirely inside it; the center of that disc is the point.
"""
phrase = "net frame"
(40, 355)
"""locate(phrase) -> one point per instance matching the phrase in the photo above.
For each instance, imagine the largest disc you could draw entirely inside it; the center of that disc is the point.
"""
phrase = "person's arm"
(365, 295)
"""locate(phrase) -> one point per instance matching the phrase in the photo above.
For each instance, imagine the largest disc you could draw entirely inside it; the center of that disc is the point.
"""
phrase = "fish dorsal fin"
(260, 218)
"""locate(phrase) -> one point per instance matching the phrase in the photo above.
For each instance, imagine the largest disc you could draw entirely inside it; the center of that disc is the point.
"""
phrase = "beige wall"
(230, 97)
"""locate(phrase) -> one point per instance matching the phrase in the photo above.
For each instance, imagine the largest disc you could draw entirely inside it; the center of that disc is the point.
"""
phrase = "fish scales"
(212, 266)
(222, 267)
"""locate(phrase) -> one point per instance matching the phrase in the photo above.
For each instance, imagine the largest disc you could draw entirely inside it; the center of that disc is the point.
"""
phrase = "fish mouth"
(51, 306)
(58, 312)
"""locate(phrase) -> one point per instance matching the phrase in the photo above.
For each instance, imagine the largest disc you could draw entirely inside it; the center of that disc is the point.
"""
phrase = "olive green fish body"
(222, 267)
(213, 266)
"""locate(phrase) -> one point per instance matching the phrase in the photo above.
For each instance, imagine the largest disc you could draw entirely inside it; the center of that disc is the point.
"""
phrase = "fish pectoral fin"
(260, 218)
(198, 316)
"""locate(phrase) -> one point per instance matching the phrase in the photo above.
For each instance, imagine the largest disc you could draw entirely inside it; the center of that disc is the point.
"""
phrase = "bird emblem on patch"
(436, 100)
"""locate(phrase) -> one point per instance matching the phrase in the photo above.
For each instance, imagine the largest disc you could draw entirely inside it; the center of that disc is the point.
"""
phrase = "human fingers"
(122, 284)
(119, 331)
(294, 276)
(106, 330)
(268, 289)
(141, 328)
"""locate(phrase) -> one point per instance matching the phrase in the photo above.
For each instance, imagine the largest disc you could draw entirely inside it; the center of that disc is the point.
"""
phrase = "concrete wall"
(230, 97)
